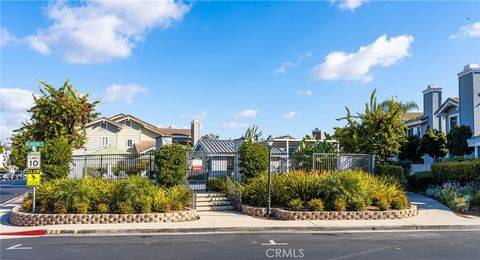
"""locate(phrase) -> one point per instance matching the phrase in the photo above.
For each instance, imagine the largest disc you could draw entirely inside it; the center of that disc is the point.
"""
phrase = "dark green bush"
(357, 204)
(399, 201)
(420, 181)
(56, 158)
(339, 204)
(295, 205)
(171, 161)
(393, 171)
(315, 205)
(255, 192)
(216, 184)
(462, 172)
(381, 200)
(253, 159)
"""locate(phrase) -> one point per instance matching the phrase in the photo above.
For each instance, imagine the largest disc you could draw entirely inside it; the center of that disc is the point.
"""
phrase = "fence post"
(101, 166)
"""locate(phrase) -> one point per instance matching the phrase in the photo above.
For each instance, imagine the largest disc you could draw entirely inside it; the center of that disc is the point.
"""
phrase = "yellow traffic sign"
(33, 179)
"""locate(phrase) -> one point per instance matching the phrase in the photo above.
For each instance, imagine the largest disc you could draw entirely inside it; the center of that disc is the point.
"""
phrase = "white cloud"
(247, 113)
(290, 115)
(282, 69)
(304, 92)
(7, 38)
(235, 125)
(350, 5)
(99, 31)
(14, 103)
(356, 66)
(201, 116)
(467, 31)
(123, 93)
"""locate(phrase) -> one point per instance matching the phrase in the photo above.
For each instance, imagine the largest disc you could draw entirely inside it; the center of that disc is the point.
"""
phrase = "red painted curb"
(38, 232)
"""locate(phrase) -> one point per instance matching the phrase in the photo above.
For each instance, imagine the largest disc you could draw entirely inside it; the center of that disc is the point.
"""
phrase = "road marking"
(18, 247)
(273, 243)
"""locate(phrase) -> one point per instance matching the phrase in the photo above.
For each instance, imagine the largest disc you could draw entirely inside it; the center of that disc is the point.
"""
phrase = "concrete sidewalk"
(432, 216)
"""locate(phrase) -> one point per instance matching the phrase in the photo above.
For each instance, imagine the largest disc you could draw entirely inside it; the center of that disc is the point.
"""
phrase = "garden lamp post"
(269, 199)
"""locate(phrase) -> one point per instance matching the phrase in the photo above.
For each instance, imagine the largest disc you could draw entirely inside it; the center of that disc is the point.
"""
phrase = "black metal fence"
(112, 166)
(339, 161)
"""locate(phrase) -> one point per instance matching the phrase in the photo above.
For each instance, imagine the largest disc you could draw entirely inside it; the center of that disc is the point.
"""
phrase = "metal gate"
(338, 162)
(197, 170)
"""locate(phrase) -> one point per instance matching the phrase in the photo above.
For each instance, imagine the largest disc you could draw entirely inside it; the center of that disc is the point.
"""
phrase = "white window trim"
(458, 120)
(127, 142)
(101, 141)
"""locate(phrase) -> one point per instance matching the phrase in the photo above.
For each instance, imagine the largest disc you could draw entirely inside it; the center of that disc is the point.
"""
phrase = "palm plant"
(253, 132)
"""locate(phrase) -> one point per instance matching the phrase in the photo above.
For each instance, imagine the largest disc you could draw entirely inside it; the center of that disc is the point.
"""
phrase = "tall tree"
(433, 143)
(56, 113)
(378, 130)
(409, 150)
(457, 140)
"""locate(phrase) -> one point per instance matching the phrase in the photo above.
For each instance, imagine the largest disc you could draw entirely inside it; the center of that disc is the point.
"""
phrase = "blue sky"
(286, 66)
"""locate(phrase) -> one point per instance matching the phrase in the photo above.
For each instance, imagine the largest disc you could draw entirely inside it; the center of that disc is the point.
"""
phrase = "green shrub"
(103, 208)
(393, 171)
(27, 205)
(357, 204)
(347, 185)
(302, 185)
(295, 205)
(315, 205)
(339, 204)
(420, 181)
(133, 191)
(255, 192)
(399, 201)
(216, 184)
(462, 172)
(381, 200)
(125, 207)
(144, 205)
(81, 208)
(477, 199)
(59, 208)
(73, 192)
(253, 160)
(179, 197)
(170, 160)
(160, 202)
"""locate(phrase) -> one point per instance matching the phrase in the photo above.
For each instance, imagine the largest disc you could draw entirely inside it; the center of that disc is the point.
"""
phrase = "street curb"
(36, 232)
(13, 199)
(261, 230)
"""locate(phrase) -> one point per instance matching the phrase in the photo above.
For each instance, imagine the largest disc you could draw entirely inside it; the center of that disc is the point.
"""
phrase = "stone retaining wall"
(20, 218)
(331, 215)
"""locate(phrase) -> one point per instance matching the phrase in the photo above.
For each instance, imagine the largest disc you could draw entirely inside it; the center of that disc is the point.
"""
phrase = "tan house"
(124, 133)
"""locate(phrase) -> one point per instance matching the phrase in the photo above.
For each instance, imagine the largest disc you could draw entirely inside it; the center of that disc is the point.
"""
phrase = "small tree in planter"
(56, 157)
(433, 143)
(170, 161)
(457, 140)
(253, 159)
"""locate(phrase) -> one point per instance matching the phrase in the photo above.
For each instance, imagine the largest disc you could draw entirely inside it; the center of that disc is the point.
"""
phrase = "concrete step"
(212, 199)
(213, 203)
(214, 208)
(210, 194)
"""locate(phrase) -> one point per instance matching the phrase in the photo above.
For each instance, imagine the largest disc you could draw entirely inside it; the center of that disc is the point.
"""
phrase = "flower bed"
(283, 214)
(463, 198)
(20, 218)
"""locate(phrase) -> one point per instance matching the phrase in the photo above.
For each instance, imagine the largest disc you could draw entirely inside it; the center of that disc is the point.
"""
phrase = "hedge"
(393, 171)
(463, 172)
(420, 181)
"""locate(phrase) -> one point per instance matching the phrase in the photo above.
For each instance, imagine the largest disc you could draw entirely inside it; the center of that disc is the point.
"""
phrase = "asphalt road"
(377, 245)
(12, 188)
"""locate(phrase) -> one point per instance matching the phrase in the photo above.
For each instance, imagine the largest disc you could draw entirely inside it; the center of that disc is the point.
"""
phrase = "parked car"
(19, 175)
(6, 175)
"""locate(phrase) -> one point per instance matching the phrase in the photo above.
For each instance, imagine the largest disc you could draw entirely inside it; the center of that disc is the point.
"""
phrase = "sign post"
(33, 167)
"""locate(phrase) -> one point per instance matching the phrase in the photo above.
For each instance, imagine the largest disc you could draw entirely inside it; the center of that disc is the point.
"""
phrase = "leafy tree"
(210, 137)
(457, 140)
(170, 161)
(61, 112)
(253, 133)
(409, 150)
(1, 148)
(309, 146)
(379, 130)
(56, 156)
(253, 159)
(433, 143)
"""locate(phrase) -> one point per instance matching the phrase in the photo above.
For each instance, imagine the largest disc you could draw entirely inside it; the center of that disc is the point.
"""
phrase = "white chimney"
(195, 131)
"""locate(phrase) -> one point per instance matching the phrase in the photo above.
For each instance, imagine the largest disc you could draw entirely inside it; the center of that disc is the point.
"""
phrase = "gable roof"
(412, 116)
(144, 146)
(450, 102)
(161, 131)
(103, 119)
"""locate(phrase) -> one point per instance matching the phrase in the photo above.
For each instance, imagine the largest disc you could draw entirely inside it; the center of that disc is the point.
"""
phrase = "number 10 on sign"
(33, 160)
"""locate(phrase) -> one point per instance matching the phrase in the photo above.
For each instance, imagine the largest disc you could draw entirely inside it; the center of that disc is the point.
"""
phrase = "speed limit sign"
(33, 160)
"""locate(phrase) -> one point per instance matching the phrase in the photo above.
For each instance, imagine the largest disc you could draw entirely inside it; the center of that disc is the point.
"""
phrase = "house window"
(418, 131)
(129, 143)
(105, 141)
(453, 122)
(128, 123)
(103, 125)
